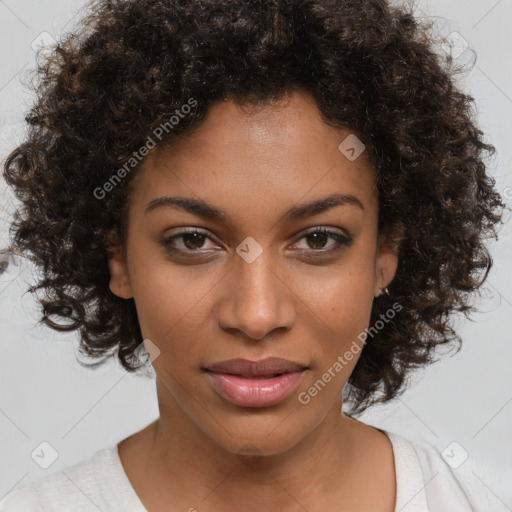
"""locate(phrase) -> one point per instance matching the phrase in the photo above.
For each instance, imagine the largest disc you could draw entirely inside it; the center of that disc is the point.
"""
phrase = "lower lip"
(254, 392)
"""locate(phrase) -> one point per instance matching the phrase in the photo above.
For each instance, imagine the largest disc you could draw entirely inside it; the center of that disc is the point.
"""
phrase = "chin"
(258, 439)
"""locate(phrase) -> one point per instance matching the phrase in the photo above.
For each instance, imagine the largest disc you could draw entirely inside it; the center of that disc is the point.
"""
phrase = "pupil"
(197, 238)
(322, 239)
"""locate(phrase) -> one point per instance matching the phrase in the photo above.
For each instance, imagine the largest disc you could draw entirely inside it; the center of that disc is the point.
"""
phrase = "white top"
(425, 483)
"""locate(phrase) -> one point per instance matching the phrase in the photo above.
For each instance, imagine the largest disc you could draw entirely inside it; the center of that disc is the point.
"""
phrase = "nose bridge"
(256, 301)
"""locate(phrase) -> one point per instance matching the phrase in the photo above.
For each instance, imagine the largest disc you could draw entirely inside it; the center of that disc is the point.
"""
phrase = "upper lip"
(246, 368)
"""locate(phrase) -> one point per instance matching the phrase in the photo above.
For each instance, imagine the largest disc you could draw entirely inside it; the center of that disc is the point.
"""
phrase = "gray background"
(46, 396)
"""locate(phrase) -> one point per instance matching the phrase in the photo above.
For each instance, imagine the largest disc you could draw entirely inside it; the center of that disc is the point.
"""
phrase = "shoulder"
(78, 487)
(449, 478)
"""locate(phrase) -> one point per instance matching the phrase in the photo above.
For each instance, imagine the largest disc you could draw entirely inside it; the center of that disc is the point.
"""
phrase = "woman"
(276, 198)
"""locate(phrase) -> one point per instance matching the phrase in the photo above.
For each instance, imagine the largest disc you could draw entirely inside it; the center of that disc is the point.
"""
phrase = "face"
(248, 268)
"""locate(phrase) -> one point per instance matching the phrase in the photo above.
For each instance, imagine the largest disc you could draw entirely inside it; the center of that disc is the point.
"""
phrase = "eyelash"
(342, 241)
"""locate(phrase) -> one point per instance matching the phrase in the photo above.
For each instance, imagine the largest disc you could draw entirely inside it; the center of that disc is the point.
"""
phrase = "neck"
(197, 469)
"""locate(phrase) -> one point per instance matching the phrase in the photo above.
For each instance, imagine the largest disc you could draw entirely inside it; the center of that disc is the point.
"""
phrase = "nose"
(256, 300)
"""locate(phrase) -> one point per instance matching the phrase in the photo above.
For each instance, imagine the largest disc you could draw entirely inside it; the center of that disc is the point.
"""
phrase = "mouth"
(266, 368)
(262, 383)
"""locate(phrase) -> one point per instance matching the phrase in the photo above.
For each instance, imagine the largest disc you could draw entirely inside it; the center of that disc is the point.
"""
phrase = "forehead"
(281, 152)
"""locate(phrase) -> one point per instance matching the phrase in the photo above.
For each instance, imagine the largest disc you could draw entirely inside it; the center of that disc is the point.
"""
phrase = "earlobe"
(386, 270)
(387, 260)
(119, 279)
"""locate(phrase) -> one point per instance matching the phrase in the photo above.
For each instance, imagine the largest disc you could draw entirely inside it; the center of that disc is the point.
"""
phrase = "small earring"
(383, 291)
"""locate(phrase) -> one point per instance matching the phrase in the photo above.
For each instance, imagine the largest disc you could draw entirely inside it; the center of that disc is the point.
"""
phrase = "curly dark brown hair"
(104, 89)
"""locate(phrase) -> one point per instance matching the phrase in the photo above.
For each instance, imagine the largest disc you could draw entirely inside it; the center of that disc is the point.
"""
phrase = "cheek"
(173, 307)
(164, 298)
(343, 297)
(341, 303)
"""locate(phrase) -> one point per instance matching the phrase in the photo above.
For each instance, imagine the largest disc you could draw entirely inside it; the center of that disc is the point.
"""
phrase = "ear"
(387, 257)
(119, 278)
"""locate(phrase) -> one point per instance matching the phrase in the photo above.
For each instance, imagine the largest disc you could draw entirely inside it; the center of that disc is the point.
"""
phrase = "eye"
(187, 241)
(317, 238)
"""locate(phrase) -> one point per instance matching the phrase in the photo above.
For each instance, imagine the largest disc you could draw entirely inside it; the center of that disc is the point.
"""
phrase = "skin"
(203, 451)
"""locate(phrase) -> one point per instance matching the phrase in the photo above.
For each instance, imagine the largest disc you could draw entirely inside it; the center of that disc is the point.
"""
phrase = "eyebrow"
(207, 211)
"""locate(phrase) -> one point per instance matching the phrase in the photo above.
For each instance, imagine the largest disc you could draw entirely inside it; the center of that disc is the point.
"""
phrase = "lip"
(255, 383)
